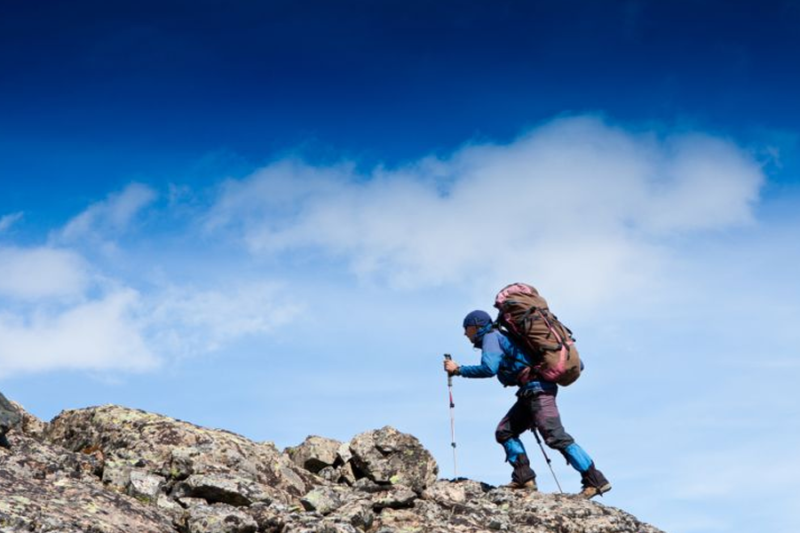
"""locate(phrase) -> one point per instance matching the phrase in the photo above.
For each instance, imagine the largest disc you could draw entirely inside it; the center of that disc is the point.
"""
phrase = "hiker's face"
(470, 332)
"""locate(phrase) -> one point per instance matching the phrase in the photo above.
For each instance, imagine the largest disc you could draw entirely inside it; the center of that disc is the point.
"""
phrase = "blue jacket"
(502, 358)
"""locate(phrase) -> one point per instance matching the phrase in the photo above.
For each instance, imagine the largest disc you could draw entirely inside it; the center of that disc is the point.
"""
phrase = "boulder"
(453, 493)
(219, 518)
(387, 456)
(224, 488)
(177, 451)
(29, 424)
(358, 513)
(9, 415)
(399, 497)
(315, 453)
(116, 470)
(45, 489)
(324, 500)
(145, 486)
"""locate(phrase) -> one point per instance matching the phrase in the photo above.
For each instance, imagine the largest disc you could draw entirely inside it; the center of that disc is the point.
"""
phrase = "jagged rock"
(168, 504)
(330, 474)
(340, 474)
(399, 520)
(32, 459)
(128, 471)
(177, 450)
(188, 502)
(9, 415)
(219, 518)
(269, 517)
(46, 489)
(223, 488)
(29, 424)
(504, 509)
(396, 498)
(144, 486)
(344, 453)
(347, 475)
(358, 514)
(327, 526)
(449, 494)
(365, 484)
(315, 453)
(323, 500)
(116, 475)
(388, 456)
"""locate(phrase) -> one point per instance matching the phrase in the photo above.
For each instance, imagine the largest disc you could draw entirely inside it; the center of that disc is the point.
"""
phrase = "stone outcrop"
(112, 470)
(48, 488)
(387, 456)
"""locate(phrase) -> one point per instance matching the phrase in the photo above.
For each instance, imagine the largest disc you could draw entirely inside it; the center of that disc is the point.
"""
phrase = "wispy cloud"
(100, 334)
(109, 218)
(110, 327)
(7, 221)
(575, 203)
(41, 273)
(193, 321)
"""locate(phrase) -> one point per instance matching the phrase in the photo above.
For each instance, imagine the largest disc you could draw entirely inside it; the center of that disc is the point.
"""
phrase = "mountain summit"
(112, 469)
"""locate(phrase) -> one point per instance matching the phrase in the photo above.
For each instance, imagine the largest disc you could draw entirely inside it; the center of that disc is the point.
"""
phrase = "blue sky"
(271, 217)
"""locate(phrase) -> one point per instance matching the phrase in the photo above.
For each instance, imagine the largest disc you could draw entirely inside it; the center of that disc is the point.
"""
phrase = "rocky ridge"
(112, 469)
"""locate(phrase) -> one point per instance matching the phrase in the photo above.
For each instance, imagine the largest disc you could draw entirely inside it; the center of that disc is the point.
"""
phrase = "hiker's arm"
(490, 362)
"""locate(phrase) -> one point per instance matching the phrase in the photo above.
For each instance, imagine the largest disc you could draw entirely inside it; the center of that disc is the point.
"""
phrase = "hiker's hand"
(451, 367)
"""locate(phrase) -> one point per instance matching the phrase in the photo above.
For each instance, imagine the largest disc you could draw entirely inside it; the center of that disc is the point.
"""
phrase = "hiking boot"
(522, 473)
(590, 492)
(594, 483)
(529, 486)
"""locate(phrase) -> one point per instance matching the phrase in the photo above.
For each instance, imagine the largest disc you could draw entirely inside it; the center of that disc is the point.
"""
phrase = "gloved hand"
(451, 367)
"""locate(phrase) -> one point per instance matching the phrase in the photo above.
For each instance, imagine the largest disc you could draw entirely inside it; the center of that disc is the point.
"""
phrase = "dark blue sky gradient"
(96, 93)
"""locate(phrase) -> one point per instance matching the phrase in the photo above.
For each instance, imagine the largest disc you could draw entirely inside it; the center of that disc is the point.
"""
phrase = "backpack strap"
(560, 338)
(529, 372)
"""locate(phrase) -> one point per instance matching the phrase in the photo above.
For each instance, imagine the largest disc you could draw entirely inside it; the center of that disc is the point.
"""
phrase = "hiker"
(9, 417)
(535, 407)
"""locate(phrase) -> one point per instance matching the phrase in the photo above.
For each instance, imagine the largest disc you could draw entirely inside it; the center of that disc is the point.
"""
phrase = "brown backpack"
(526, 317)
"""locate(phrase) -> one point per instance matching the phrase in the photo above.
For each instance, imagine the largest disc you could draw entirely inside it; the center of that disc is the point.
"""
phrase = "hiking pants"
(538, 411)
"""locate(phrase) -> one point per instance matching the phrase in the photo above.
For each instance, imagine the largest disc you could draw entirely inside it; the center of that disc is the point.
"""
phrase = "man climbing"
(535, 407)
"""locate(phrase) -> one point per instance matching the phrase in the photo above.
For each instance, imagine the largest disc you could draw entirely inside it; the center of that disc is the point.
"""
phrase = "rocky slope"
(116, 470)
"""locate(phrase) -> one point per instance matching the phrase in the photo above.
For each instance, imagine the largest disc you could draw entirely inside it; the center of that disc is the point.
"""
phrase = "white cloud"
(9, 220)
(585, 210)
(101, 334)
(41, 273)
(59, 311)
(713, 184)
(577, 204)
(110, 217)
(194, 321)
(119, 329)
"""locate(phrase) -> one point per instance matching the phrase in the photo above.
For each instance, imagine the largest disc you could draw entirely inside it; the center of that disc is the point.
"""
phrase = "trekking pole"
(546, 458)
(452, 419)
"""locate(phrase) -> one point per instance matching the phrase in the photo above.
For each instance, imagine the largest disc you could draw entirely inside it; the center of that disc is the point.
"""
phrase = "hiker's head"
(474, 322)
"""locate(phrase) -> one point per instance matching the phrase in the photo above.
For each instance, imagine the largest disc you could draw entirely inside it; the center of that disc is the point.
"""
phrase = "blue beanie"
(477, 318)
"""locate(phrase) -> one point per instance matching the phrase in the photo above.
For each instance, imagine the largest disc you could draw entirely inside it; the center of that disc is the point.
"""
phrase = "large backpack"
(525, 316)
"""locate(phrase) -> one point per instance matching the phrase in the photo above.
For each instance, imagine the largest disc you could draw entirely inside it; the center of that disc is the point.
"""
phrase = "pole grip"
(447, 357)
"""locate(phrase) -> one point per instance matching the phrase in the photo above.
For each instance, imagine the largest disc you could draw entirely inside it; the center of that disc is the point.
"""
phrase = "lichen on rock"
(112, 469)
